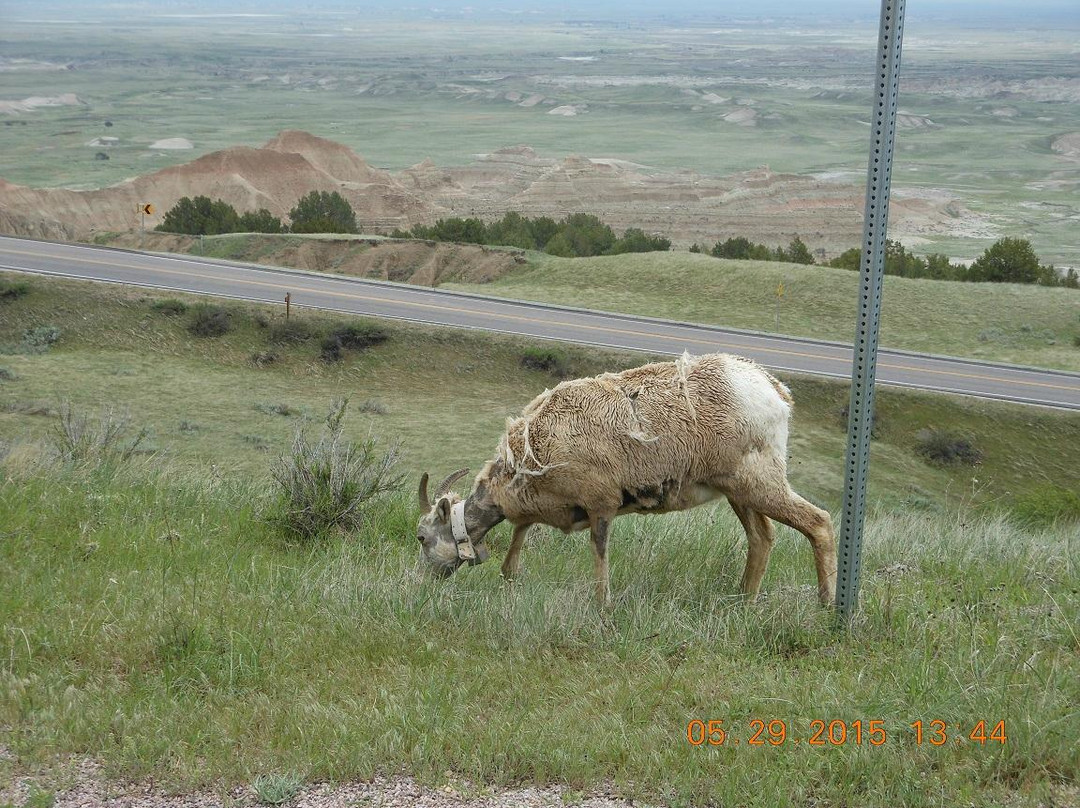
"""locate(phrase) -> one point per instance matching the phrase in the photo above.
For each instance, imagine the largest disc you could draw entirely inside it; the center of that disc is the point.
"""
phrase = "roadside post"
(146, 209)
(288, 302)
(871, 272)
(779, 294)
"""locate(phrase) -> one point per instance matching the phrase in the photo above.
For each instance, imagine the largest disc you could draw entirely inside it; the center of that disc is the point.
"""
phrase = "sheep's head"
(435, 532)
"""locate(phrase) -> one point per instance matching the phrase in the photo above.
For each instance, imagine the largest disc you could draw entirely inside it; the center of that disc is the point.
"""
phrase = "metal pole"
(872, 270)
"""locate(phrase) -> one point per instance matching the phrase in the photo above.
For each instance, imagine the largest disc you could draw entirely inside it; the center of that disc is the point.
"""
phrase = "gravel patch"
(82, 785)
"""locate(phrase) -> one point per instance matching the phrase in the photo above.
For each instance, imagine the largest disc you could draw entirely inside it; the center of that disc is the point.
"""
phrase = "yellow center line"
(521, 318)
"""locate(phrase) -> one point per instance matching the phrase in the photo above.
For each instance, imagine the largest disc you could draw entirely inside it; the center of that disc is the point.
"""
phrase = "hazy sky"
(973, 10)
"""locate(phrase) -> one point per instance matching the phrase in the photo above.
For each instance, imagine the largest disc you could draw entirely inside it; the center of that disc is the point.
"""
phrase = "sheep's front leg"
(511, 565)
(599, 527)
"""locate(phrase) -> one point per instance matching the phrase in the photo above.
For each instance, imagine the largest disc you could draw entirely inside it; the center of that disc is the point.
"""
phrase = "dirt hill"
(426, 263)
(274, 176)
(825, 210)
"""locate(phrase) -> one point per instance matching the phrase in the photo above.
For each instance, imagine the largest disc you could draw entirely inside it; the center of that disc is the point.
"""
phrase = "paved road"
(353, 295)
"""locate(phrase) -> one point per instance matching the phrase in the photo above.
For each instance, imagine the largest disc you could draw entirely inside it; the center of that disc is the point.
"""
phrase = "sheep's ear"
(442, 510)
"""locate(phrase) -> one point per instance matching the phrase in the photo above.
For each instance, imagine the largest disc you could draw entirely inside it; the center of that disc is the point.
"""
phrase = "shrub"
(7, 375)
(1047, 505)
(78, 438)
(13, 290)
(264, 358)
(169, 306)
(38, 798)
(372, 406)
(41, 337)
(286, 410)
(209, 321)
(326, 485)
(258, 441)
(35, 340)
(330, 350)
(291, 332)
(40, 408)
(551, 360)
(946, 448)
(359, 336)
(276, 789)
(355, 336)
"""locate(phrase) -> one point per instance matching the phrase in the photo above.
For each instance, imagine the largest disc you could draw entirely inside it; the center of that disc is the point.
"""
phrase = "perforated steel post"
(872, 268)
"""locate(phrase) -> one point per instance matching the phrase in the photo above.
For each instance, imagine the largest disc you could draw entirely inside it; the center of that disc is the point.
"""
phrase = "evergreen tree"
(586, 234)
(798, 253)
(848, 259)
(1008, 260)
(512, 231)
(634, 240)
(738, 248)
(260, 221)
(200, 217)
(468, 231)
(323, 212)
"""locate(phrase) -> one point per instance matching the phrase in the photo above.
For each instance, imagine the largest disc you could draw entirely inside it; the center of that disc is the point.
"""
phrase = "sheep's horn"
(425, 501)
(444, 487)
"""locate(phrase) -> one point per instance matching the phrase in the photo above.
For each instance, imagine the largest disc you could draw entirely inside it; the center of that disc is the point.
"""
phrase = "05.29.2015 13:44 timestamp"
(837, 732)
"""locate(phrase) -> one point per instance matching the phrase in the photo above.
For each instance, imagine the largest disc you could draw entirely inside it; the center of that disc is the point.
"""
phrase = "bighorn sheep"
(658, 438)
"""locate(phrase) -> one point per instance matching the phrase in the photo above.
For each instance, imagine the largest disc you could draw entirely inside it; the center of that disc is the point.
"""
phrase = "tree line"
(1008, 260)
(579, 235)
(743, 249)
(317, 212)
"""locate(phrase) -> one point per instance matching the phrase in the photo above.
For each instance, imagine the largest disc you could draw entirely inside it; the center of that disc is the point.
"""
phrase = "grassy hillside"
(1005, 322)
(158, 622)
(995, 322)
(204, 400)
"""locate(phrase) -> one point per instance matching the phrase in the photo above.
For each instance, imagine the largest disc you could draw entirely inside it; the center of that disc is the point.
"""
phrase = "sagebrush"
(326, 485)
(81, 438)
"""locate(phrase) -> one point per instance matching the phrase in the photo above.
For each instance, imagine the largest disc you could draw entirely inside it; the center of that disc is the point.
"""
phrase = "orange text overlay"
(838, 732)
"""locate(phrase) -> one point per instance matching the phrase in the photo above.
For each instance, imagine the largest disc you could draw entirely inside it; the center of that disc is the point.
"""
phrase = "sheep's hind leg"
(511, 565)
(599, 528)
(759, 538)
(789, 508)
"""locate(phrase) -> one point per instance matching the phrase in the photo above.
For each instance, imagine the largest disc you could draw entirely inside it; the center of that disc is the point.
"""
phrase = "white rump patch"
(765, 409)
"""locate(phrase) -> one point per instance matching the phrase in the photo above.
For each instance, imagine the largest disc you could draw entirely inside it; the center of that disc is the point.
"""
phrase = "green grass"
(1022, 324)
(156, 620)
(158, 624)
(203, 400)
(1004, 322)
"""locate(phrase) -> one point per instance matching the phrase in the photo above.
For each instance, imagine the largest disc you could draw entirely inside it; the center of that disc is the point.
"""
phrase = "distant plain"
(986, 114)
